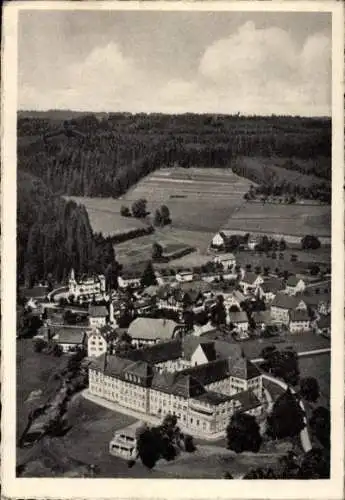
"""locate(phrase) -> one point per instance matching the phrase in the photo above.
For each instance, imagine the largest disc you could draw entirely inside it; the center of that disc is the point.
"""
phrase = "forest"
(54, 235)
(105, 154)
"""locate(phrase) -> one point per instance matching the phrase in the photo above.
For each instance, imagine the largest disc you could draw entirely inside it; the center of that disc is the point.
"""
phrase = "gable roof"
(37, 292)
(178, 383)
(247, 400)
(69, 335)
(157, 353)
(209, 350)
(152, 329)
(209, 372)
(244, 369)
(238, 317)
(299, 316)
(272, 285)
(262, 317)
(239, 296)
(293, 281)
(213, 398)
(98, 311)
(284, 301)
(250, 278)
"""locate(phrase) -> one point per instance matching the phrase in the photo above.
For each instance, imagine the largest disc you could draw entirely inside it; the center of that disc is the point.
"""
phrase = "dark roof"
(70, 335)
(98, 311)
(209, 372)
(293, 281)
(157, 353)
(247, 399)
(209, 350)
(324, 321)
(272, 285)
(152, 328)
(37, 292)
(214, 398)
(250, 277)
(284, 301)
(117, 367)
(178, 383)
(299, 316)
(262, 317)
(238, 317)
(315, 299)
(244, 369)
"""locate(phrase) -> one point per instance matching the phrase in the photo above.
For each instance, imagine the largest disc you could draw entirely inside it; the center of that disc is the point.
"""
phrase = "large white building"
(86, 286)
(203, 397)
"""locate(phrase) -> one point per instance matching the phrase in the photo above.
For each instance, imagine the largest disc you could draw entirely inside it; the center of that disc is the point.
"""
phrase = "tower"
(72, 284)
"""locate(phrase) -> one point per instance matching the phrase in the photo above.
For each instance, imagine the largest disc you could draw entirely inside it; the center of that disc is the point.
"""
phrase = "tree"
(283, 364)
(40, 345)
(158, 221)
(218, 312)
(243, 433)
(320, 424)
(310, 242)
(124, 211)
(189, 445)
(315, 465)
(309, 389)
(165, 215)
(148, 278)
(282, 245)
(139, 208)
(260, 473)
(157, 251)
(286, 418)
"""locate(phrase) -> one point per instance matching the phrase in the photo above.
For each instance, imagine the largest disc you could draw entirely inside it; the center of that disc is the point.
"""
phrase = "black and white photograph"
(175, 312)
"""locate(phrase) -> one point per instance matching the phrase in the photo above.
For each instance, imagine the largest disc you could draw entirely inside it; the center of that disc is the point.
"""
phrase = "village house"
(269, 289)
(124, 442)
(299, 321)
(70, 339)
(145, 331)
(283, 304)
(96, 344)
(251, 282)
(36, 294)
(188, 394)
(319, 303)
(240, 322)
(87, 285)
(129, 278)
(234, 299)
(294, 285)
(220, 240)
(98, 316)
(262, 319)
(183, 276)
(252, 242)
(227, 260)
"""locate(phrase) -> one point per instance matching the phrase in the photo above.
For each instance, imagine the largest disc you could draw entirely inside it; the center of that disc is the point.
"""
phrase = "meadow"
(201, 202)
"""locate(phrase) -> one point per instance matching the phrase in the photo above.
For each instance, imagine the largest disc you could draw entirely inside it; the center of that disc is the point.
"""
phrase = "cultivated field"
(201, 201)
(283, 219)
(105, 217)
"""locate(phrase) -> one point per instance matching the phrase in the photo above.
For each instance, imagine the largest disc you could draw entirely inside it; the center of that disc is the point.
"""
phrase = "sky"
(175, 62)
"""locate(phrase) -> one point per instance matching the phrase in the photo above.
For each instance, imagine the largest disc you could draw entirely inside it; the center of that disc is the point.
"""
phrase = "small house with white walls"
(87, 285)
(251, 282)
(96, 344)
(184, 276)
(98, 316)
(295, 285)
(228, 260)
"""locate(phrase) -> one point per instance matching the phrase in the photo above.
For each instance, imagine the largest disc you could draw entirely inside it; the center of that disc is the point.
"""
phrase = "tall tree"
(286, 418)
(243, 433)
(148, 278)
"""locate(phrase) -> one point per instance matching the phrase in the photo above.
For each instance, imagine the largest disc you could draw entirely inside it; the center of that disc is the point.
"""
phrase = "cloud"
(253, 71)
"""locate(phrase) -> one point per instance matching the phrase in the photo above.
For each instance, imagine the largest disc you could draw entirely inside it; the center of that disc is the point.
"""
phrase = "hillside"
(105, 154)
(54, 235)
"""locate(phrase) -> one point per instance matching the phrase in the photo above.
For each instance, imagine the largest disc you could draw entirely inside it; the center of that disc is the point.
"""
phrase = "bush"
(189, 445)
(40, 345)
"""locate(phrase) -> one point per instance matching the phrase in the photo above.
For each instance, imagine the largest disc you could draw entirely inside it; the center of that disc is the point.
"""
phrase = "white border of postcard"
(145, 488)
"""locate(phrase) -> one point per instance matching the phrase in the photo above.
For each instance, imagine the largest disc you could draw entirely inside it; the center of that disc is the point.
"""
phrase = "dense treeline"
(104, 154)
(54, 235)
